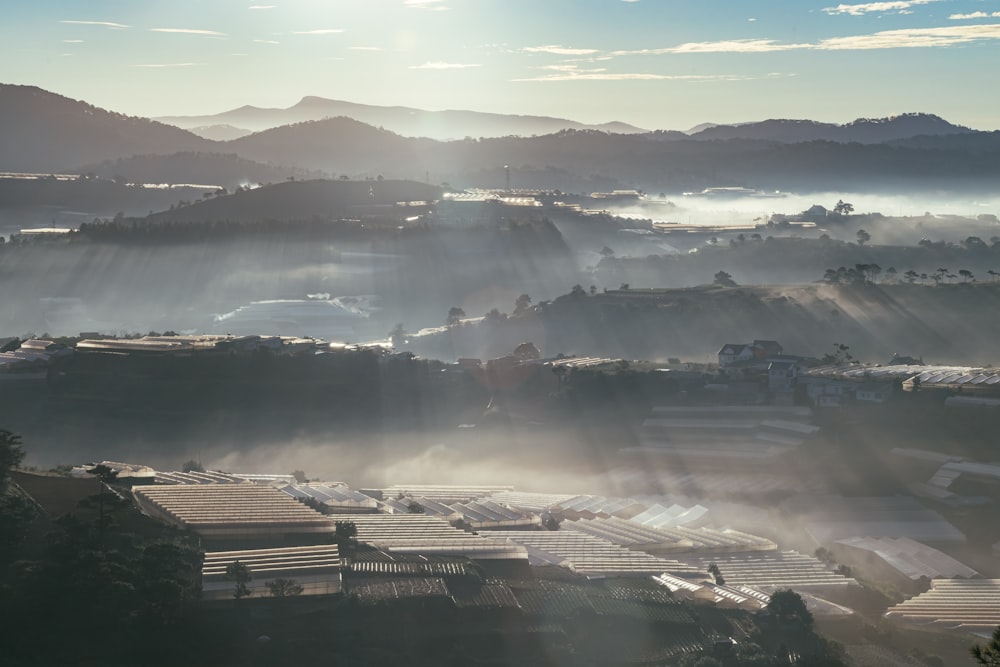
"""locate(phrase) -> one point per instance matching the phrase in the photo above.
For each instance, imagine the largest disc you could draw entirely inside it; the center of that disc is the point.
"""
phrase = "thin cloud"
(73, 41)
(601, 75)
(558, 50)
(266, 41)
(429, 5)
(886, 39)
(876, 7)
(106, 24)
(443, 65)
(190, 31)
(365, 48)
(321, 31)
(261, 6)
(973, 15)
(164, 65)
(914, 38)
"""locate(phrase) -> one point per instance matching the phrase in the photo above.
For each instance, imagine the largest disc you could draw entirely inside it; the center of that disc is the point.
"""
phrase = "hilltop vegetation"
(952, 323)
(226, 170)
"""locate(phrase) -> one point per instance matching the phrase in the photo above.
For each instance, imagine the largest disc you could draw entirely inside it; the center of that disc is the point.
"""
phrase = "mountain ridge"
(860, 130)
(41, 132)
(447, 124)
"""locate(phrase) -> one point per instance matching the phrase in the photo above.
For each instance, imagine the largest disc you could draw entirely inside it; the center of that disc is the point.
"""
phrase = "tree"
(713, 569)
(988, 654)
(105, 476)
(415, 508)
(192, 465)
(522, 304)
(494, 315)
(841, 355)
(455, 315)
(843, 208)
(911, 276)
(723, 279)
(974, 243)
(345, 531)
(300, 476)
(863, 237)
(284, 588)
(239, 573)
(577, 291)
(966, 275)
(607, 252)
(787, 608)
(11, 455)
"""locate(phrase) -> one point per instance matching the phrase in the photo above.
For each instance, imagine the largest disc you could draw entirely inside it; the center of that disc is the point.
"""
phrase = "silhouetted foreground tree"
(11, 455)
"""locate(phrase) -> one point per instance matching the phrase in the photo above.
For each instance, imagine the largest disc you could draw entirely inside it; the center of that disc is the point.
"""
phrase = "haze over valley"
(435, 332)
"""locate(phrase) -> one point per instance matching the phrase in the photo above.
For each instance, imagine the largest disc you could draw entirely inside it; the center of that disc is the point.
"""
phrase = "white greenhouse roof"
(337, 495)
(590, 555)
(644, 538)
(429, 535)
(911, 558)
(444, 492)
(232, 510)
(972, 605)
(315, 568)
(773, 570)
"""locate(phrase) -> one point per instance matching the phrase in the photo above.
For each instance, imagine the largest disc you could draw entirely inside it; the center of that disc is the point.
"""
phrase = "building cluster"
(961, 386)
(762, 364)
(761, 368)
(497, 548)
(431, 540)
(29, 356)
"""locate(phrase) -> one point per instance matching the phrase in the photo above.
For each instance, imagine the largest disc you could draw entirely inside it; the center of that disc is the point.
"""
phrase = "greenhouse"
(315, 569)
(232, 511)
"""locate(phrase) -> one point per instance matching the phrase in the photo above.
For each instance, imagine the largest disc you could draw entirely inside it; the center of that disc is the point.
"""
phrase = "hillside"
(44, 132)
(48, 202)
(407, 121)
(224, 170)
(950, 324)
(336, 145)
(303, 200)
(862, 130)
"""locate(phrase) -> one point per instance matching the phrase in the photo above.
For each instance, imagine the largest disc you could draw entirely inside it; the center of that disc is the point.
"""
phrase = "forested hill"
(335, 145)
(302, 200)
(862, 130)
(42, 131)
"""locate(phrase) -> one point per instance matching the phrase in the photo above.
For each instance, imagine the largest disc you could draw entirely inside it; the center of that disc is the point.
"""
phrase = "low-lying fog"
(709, 211)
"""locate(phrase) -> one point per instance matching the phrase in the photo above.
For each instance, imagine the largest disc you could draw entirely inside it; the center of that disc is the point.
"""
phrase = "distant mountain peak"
(407, 121)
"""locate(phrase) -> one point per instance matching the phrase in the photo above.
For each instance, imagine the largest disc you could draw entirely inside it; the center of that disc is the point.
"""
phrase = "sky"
(658, 64)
